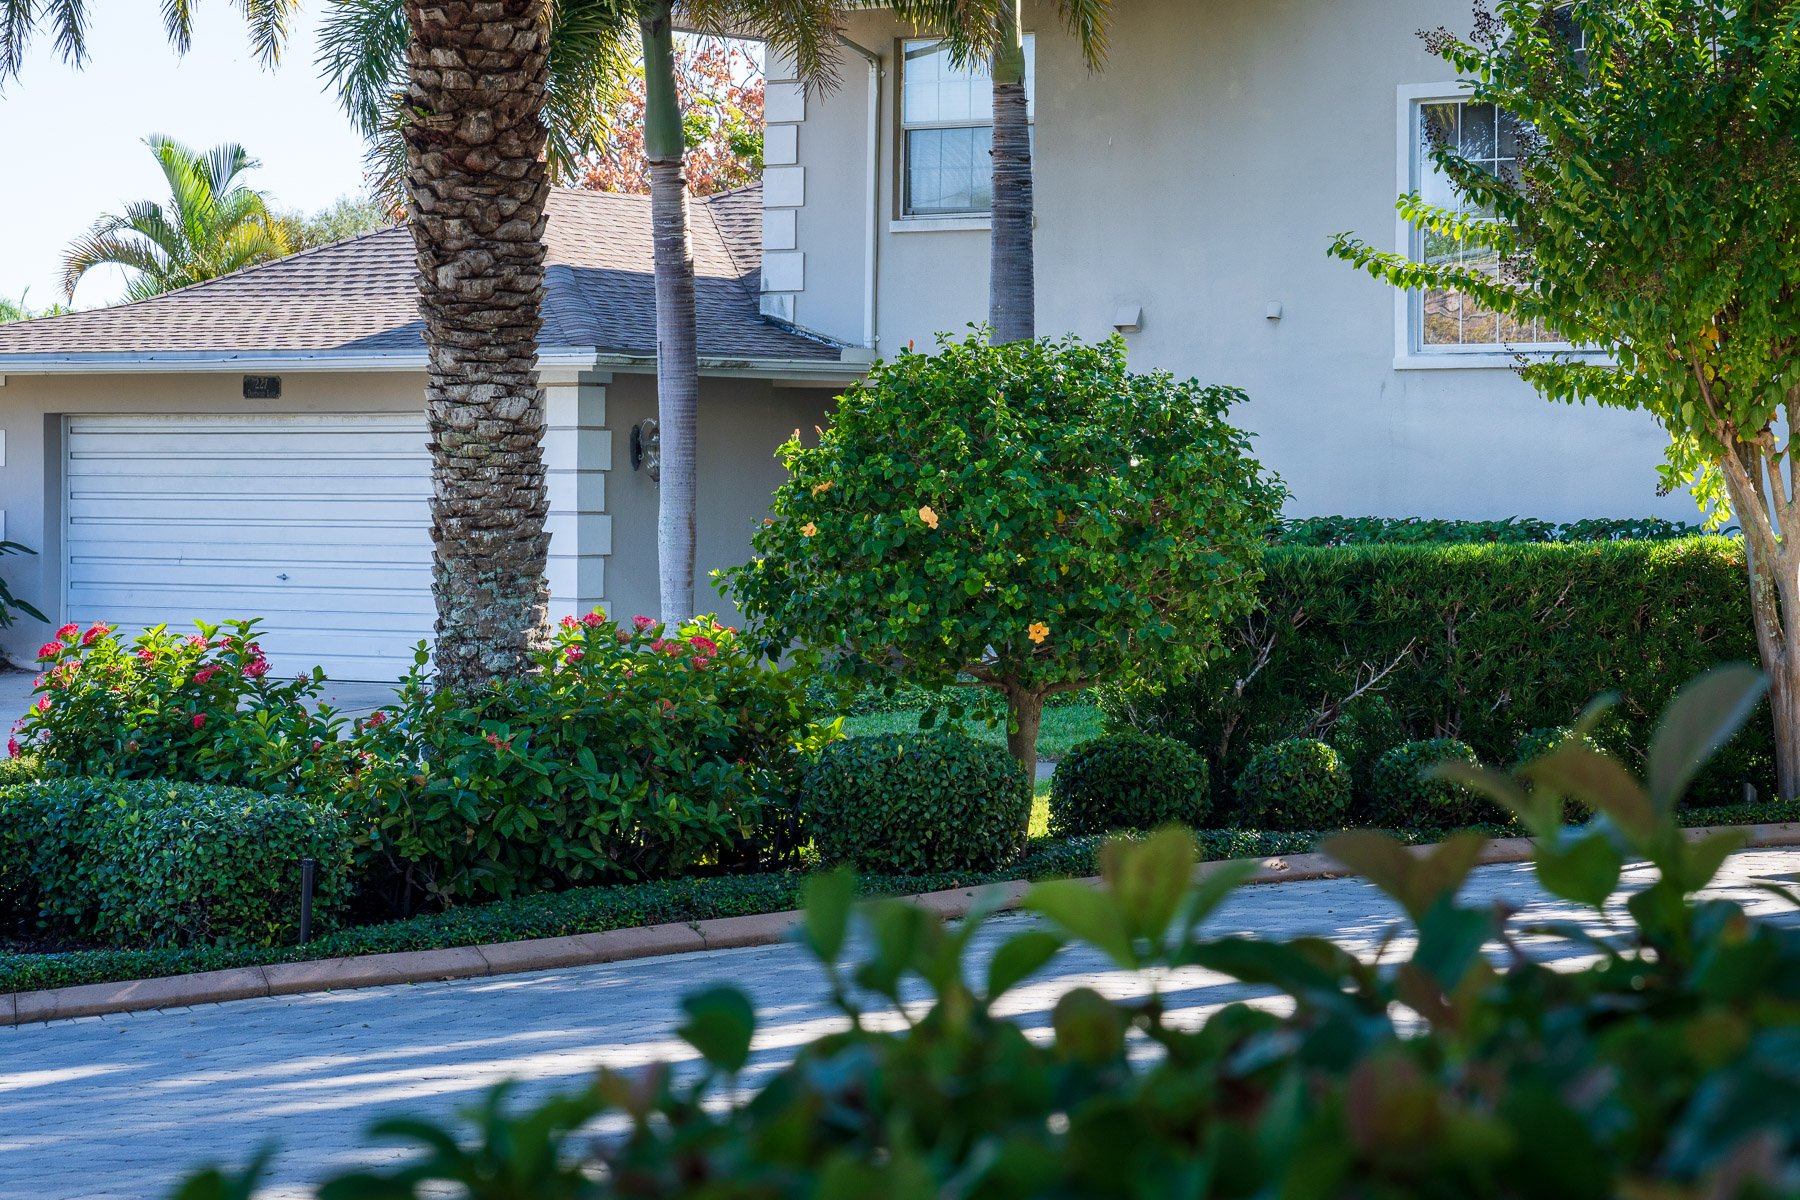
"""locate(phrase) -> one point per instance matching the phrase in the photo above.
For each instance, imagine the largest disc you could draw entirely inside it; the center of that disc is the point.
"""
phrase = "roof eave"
(232, 362)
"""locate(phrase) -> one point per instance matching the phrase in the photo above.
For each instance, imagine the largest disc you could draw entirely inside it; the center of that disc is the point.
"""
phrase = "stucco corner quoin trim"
(617, 945)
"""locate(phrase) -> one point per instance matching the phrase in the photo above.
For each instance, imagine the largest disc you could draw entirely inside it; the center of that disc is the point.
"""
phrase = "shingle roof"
(359, 295)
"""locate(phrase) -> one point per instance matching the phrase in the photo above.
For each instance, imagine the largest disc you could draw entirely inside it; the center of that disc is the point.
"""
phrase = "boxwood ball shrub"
(916, 803)
(160, 863)
(1059, 520)
(1127, 781)
(1296, 783)
(1404, 795)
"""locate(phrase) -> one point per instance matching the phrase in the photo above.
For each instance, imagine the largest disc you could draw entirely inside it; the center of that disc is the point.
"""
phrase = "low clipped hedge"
(1450, 626)
(1405, 793)
(1127, 781)
(916, 803)
(1297, 783)
(628, 906)
(156, 863)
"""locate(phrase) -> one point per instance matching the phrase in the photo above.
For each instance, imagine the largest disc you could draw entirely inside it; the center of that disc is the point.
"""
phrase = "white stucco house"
(255, 445)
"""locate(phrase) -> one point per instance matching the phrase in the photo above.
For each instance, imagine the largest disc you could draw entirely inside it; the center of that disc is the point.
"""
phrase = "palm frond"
(178, 22)
(804, 30)
(99, 249)
(591, 44)
(1090, 22)
(269, 22)
(362, 52)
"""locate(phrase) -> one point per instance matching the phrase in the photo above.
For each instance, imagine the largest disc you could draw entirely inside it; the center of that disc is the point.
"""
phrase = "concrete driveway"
(123, 1106)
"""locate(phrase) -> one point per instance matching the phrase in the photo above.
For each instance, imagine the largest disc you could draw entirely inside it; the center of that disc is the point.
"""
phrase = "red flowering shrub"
(198, 708)
(626, 753)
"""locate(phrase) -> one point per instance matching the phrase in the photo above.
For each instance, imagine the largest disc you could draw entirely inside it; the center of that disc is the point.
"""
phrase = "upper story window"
(947, 126)
(1448, 322)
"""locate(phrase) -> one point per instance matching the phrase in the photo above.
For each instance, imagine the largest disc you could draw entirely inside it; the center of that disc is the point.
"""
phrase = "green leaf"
(829, 897)
(1574, 770)
(721, 1023)
(1086, 913)
(1149, 878)
(1701, 718)
(1585, 869)
(1018, 958)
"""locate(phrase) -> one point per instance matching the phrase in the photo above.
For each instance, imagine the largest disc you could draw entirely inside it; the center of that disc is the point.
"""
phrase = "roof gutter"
(226, 362)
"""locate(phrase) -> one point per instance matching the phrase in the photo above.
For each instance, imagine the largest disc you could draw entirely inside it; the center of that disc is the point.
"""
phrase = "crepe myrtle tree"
(1654, 221)
(1029, 517)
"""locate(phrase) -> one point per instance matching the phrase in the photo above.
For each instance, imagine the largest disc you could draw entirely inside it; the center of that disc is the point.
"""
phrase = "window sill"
(974, 221)
(1483, 361)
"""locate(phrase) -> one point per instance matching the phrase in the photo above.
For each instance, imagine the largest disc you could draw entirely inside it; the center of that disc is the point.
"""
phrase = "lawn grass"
(1065, 727)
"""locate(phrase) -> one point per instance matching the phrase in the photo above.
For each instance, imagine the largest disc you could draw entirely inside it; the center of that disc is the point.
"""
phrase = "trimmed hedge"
(1127, 780)
(628, 906)
(156, 863)
(1297, 783)
(1484, 641)
(1405, 795)
(916, 802)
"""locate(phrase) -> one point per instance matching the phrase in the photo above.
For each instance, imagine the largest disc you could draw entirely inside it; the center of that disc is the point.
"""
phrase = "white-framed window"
(947, 128)
(1439, 323)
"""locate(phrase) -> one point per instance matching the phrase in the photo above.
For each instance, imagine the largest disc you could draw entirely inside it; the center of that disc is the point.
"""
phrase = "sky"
(72, 140)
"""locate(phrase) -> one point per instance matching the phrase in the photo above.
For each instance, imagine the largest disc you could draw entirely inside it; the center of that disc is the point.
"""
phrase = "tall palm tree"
(475, 81)
(589, 44)
(992, 31)
(211, 226)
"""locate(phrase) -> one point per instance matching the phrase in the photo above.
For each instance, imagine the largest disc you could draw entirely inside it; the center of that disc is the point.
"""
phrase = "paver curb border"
(614, 945)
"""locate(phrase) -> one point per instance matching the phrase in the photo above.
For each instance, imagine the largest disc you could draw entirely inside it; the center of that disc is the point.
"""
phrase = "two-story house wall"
(1187, 194)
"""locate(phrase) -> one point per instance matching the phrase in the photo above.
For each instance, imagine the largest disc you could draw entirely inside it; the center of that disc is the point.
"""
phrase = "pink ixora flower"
(199, 720)
(12, 747)
(67, 631)
(573, 654)
(49, 650)
(256, 668)
(642, 622)
(376, 718)
(206, 673)
(704, 645)
(700, 661)
(43, 704)
(594, 619)
(147, 655)
(97, 631)
(198, 642)
(570, 623)
(624, 636)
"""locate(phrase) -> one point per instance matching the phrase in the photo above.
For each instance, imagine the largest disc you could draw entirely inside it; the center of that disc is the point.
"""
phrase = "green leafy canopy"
(1031, 515)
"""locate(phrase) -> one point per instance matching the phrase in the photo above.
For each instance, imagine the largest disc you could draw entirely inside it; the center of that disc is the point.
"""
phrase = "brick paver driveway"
(122, 1106)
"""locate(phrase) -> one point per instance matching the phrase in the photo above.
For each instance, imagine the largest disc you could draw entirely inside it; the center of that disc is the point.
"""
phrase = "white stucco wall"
(1202, 176)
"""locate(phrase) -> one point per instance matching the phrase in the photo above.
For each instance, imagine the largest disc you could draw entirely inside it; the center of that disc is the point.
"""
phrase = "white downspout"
(872, 245)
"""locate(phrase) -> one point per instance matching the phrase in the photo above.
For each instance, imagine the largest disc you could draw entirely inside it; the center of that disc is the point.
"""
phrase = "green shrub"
(1405, 796)
(1413, 531)
(916, 803)
(26, 768)
(154, 863)
(199, 708)
(1127, 781)
(1297, 783)
(627, 753)
(1663, 1067)
(1536, 743)
(1483, 641)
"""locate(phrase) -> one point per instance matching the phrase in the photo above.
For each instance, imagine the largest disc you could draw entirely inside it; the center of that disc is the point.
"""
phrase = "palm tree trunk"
(476, 187)
(677, 357)
(1012, 283)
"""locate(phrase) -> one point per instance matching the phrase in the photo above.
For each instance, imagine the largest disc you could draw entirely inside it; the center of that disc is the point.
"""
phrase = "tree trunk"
(1025, 713)
(1774, 596)
(476, 187)
(677, 355)
(1012, 281)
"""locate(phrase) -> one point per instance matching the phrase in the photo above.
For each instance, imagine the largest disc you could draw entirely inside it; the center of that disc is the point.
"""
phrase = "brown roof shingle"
(359, 295)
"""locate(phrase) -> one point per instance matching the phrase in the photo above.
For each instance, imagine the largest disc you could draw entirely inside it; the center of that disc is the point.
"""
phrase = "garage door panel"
(173, 518)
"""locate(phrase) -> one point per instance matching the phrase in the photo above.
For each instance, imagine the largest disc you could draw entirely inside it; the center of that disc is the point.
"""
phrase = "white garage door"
(318, 524)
